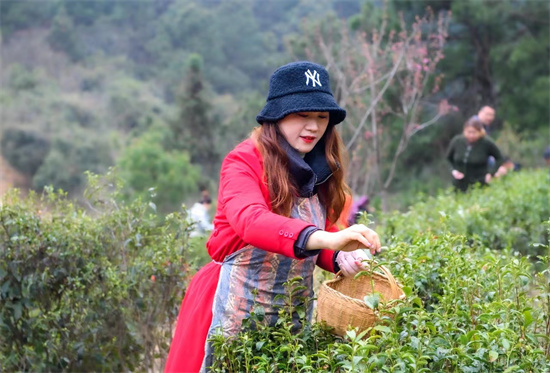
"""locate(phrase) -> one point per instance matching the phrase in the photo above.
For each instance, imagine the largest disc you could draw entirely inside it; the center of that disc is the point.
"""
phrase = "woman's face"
(471, 134)
(304, 130)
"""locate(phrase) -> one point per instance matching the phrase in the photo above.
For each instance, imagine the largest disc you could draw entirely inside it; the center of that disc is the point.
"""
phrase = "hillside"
(82, 82)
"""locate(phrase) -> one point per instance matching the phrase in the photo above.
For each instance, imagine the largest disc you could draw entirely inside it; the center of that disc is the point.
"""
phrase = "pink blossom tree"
(386, 80)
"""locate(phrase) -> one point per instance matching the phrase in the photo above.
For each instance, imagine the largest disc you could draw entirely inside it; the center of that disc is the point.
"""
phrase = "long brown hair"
(282, 190)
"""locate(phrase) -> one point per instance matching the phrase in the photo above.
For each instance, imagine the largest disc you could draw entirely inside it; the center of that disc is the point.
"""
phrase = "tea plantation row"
(475, 302)
(98, 289)
(88, 290)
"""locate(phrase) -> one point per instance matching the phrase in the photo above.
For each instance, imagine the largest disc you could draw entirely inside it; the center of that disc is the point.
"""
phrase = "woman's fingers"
(373, 238)
(362, 256)
(457, 175)
(346, 268)
(357, 241)
(370, 235)
(355, 237)
(349, 263)
(363, 237)
(365, 232)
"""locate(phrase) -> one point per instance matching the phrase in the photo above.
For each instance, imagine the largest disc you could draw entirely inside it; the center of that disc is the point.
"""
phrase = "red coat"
(243, 217)
(244, 213)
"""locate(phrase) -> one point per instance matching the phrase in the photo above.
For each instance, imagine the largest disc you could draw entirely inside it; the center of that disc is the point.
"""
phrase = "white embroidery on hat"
(314, 77)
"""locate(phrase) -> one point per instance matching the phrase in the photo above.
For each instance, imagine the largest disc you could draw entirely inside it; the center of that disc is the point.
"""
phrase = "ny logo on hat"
(314, 77)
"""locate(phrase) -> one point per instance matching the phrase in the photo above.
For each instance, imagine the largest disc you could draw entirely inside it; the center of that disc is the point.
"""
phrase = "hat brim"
(278, 108)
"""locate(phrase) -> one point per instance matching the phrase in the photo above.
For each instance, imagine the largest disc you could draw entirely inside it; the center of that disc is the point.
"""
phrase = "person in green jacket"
(468, 154)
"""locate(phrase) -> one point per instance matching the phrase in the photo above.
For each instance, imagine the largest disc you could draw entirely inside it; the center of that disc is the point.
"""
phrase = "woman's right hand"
(457, 175)
(357, 236)
(353, 262)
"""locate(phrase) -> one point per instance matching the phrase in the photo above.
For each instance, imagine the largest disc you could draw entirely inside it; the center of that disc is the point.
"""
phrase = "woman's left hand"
(488, 178)
(357, 236)
(367, 233)
(351, 262)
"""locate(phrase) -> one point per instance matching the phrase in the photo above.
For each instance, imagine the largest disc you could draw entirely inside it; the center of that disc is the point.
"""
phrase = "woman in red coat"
(279, 192)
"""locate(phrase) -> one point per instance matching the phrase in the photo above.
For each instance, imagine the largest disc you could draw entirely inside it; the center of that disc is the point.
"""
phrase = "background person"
(487, 115)
(359, 206)
(468, 154)
(280, 190)
(205, 194)
(200, 217)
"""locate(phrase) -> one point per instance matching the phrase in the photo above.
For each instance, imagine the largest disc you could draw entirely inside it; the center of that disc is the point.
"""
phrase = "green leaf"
(493, 355)
(527, 318)
(417, 301)
(407, 290)
(17, 310)
(357, 359)
(372, 301)
(382, 328)
(259, 311)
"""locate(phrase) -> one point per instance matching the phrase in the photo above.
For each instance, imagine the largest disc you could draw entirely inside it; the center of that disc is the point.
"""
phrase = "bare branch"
(375, 101)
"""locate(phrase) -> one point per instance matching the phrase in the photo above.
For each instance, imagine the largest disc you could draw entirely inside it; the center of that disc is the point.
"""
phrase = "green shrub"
(508, 214)
(63, 37)
(99, 289)
(485, 312)
(22, 79)
(198, 255)
(88, 290)
(274, 349)
(145, 164)
(469, 307)
(67, 161)
(24, 150)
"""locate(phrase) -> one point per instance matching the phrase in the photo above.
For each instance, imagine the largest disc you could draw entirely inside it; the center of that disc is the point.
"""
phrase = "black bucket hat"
(300, 86)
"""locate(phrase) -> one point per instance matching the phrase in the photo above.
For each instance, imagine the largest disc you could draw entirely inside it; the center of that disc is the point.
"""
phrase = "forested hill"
(162, 89)
(240, 41)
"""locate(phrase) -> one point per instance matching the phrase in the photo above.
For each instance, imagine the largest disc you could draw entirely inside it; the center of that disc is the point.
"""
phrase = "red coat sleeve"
(246, 208)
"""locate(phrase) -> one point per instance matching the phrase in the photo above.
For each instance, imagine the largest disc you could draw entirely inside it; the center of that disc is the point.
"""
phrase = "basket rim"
(395, 286)
(386, 273)
(325, 286)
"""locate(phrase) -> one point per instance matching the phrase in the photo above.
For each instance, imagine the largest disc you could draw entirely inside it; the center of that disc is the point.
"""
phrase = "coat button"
(291, 234)
(280, 232)
(286, 234)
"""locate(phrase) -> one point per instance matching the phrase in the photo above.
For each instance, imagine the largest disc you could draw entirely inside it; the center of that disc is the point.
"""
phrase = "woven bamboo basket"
(341, 304)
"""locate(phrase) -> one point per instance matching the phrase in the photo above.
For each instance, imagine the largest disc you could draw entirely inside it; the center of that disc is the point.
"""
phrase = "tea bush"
(94, 289)
(509, 213)
(99, 289)
(469, 307)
